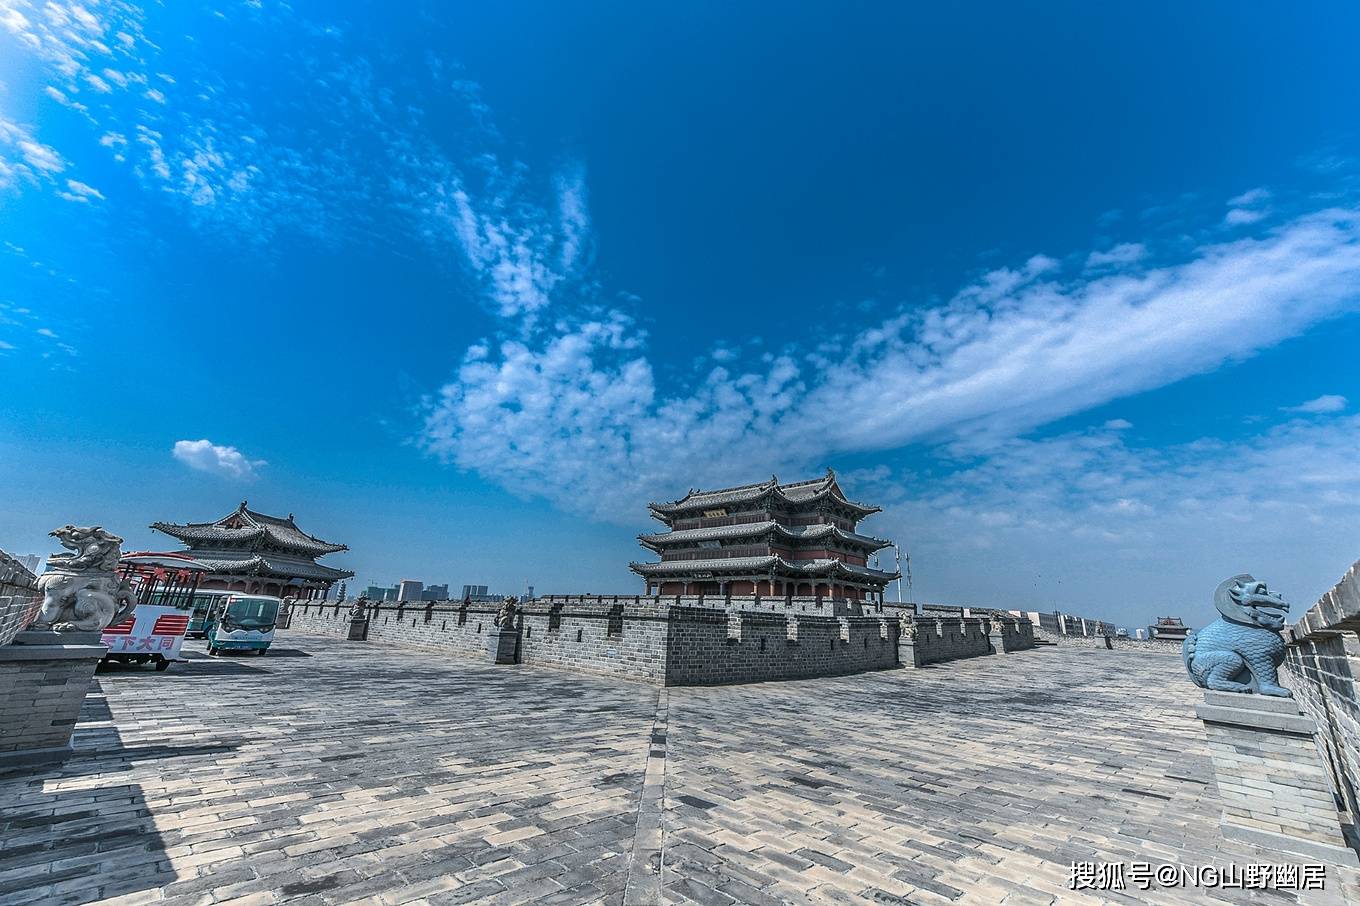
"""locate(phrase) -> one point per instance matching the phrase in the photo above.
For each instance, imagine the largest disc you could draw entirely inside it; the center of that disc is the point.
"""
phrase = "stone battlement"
(657, 640)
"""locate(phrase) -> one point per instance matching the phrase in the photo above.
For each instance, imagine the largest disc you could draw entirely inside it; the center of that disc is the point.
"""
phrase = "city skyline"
(468, 289)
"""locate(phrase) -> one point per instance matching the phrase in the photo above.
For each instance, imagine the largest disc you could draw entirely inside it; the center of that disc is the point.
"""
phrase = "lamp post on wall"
(902, 561)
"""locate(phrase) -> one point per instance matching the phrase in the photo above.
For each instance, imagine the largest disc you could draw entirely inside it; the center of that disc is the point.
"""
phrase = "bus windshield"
(206, 600)
(252, 613)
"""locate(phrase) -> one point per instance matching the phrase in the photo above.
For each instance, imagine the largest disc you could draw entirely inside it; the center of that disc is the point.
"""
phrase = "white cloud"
(572, 409)
(1191, 514)
(206, 456)
(1249, 199)
(1118, 424)
(25, 159)
(1247, 208)
(80, 192)
(1330, 402)
(1124, 253)
(1242, 217)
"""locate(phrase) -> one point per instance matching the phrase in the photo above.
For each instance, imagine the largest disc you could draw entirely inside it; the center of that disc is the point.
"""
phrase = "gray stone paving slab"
(327, 772)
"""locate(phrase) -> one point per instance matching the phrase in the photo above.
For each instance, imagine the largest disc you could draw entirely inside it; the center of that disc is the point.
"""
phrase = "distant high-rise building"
(435, 593)
(32, 562)
(474, 591)
(380, 593)
(409, 589)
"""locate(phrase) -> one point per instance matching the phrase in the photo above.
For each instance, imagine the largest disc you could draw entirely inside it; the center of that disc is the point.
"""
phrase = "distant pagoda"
(253, 553)
(769, 538)
(1169, 629)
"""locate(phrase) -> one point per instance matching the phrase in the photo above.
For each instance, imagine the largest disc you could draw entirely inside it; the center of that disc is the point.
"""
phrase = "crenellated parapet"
(670, 640)
(1322, 667)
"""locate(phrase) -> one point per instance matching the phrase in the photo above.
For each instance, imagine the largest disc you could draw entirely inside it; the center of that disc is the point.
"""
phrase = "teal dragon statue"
(1242, 650)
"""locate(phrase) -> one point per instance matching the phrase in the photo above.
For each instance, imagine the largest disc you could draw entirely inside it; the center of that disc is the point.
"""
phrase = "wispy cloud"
(1327, 403)
(1248, 208)
(573, 411)
(1189, 514)
(80, 193)
(1124, 253)
(23, 159)
(217, 459)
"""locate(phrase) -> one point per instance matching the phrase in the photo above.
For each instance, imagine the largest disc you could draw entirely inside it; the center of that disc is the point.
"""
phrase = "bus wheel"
(162, 664)
(212, 652)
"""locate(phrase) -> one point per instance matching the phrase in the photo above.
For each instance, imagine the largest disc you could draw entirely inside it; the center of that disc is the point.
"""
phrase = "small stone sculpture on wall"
(1242, 650)
(80, 592)
(505, 617)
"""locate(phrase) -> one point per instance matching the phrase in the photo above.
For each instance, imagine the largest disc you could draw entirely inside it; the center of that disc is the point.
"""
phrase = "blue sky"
(1071, 291)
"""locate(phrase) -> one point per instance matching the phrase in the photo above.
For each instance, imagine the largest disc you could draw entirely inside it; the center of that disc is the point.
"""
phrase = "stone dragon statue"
(1242, 650)
(80, 592)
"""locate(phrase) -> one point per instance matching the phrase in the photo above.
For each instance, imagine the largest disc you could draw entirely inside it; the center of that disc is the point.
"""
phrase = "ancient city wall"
(1322, 665)
(1016, 635)
(707, 647)
(641, 639)
(612, 638)
(590, 637)
(657, 640)
(1147, 646)
(18, 588)
(937, 639)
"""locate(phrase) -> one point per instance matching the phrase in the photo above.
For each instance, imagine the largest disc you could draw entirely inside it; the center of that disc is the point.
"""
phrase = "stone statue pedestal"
(358, 630)
(1271, 776)
(502, 646)
(43, 680)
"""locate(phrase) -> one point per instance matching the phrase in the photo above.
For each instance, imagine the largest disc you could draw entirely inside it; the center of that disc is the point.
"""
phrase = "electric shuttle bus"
(240, 622)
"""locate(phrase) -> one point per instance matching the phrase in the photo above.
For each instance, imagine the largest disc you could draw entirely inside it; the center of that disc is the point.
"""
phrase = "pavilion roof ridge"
(283, 531)
(791, 492)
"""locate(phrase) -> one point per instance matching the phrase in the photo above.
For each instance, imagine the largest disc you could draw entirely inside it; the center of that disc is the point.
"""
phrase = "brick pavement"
(330, 772)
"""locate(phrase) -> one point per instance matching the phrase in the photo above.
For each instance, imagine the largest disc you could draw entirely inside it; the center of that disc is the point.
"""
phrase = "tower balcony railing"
(681, 525)
(718, 553)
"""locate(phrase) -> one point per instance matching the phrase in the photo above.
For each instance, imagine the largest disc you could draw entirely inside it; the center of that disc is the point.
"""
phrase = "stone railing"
(1322, 664)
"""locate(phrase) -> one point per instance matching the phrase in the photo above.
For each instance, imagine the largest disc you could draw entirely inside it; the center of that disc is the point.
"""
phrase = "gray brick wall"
(940, 639)
(709, 647)
(40, 701)
(648, 639)
(1322, 664)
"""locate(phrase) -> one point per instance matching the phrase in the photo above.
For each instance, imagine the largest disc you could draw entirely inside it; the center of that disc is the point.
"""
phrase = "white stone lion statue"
(80, 592)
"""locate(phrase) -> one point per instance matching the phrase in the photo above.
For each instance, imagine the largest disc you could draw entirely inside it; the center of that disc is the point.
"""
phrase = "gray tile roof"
(722, 563)
(223, 562)
(254, 527)
(794, 492)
